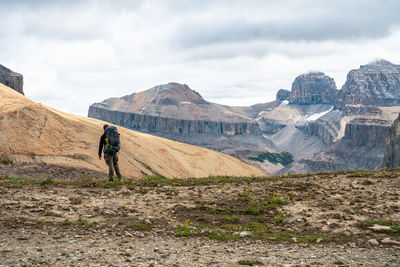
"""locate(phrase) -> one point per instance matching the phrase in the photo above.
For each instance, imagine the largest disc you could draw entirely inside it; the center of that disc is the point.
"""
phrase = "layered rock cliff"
(391, 157)
(374, 84)
(172, 126)
(313, 88)
(11, 79)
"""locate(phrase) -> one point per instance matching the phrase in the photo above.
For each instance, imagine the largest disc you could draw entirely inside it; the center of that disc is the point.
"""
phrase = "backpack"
(113, 142)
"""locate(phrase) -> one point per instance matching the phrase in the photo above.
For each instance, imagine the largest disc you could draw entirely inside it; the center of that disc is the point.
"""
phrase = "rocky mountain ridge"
(11, 79)
(314, 121)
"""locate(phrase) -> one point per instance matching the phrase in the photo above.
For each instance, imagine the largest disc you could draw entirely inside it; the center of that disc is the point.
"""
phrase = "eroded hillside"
(38, 141)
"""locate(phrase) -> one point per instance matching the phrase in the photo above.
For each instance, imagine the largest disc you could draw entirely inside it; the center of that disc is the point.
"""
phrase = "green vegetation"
(232, 218)
(284, 158)
(252, 210)
(369, 223)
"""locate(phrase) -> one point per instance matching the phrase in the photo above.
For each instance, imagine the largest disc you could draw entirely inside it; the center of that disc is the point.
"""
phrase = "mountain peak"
(380, 66)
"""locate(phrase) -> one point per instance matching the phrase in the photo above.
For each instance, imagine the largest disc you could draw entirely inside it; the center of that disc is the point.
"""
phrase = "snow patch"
(284, 103)
(318, 115)
(186, 102)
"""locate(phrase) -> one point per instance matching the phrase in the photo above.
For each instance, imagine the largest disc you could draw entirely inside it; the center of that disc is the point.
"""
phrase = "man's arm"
(101, 144)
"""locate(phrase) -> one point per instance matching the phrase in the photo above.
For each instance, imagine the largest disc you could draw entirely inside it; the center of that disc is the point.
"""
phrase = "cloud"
(75, 53)
(311, 21)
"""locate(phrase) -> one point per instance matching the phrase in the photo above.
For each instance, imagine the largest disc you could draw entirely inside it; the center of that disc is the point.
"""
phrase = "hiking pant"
(112, 163)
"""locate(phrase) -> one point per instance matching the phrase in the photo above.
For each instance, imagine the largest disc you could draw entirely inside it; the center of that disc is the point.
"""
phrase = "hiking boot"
(111, 180)
(119, 178)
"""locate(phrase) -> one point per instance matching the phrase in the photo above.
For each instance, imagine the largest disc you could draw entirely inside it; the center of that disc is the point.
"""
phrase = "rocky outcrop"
(283, 94)
(391, 157)
(313, 88)
(365, 131)
(174, 127)
(375, 84)
(11, 79)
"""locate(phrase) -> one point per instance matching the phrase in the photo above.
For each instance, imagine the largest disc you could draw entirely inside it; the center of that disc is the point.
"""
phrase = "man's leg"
(109, 160)
(116, 167)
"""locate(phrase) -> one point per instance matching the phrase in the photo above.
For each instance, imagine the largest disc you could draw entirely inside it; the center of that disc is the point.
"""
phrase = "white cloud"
(74, 53)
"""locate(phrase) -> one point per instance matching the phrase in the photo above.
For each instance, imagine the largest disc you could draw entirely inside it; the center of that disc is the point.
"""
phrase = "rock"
(283, 94)
(109, 212)
(244, 233)
(128, 234)
(374, 84)
(381, 228)
(373, 242)
(63, 199)
(11, 79)
(389, 241)
(313, 88)
(299, 220)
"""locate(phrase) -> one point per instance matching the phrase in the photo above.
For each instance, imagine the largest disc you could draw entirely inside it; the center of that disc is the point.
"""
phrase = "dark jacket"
(102, 143)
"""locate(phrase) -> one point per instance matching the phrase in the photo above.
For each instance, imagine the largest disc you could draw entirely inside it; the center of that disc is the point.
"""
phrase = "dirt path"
(349, 219)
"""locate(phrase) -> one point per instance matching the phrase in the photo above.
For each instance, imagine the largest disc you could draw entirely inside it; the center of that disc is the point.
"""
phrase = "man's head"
(105, 126)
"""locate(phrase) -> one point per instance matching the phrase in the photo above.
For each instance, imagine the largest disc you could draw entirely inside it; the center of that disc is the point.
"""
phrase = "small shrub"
(252, 210)
(250, 262)
(46, 181)
(232, 218)
(279, 218)
(366, 182)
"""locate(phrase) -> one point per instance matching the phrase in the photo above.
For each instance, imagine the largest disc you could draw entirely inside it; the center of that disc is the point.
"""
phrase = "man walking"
(110, 141)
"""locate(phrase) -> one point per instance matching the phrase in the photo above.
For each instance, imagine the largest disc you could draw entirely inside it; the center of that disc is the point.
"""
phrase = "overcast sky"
(75, 53)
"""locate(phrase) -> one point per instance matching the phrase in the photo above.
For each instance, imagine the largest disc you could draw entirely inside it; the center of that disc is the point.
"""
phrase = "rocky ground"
(348, 218)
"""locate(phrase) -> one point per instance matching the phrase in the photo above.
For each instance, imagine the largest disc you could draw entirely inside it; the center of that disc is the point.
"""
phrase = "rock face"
(391, 158)
(11, 79)
(313, 88)
(365, 131)
(375, 84)
(174, 127)
(283, 94)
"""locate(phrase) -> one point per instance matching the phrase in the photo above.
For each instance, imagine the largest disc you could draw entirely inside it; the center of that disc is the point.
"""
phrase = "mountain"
(179, 113)
(374, 84)
(355, 130)
(11, 79)
(314, 124)
(38, 141)
(313, 88)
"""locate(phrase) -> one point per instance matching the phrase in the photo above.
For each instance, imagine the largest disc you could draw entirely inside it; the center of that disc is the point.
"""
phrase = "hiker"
(110, 141)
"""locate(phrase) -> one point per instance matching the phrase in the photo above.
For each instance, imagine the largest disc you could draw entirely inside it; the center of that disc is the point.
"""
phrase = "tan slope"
(32, 132)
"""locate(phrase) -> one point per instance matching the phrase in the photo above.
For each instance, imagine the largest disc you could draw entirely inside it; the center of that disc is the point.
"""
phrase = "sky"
(234, 52)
